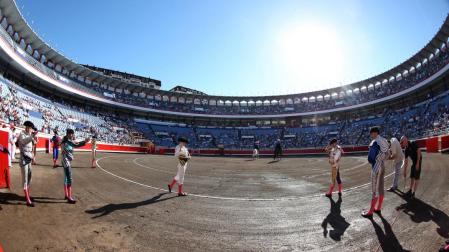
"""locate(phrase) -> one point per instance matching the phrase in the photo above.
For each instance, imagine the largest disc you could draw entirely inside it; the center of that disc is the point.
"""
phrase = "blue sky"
(239, 47)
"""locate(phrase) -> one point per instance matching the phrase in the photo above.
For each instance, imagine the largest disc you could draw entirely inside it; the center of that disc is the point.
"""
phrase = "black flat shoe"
(392, 189)
(169, 188)
(367, 215)
(71, 201)
(379, 212)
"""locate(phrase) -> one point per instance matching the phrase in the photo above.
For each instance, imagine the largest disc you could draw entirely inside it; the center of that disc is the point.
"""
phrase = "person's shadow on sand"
(335, 220)
(109, 208)
(419, 211)
(10, 198)
(387, 240)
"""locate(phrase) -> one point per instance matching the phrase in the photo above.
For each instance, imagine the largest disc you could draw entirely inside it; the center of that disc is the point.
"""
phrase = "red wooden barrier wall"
(43, 144)
(4, 170)
(432, 144)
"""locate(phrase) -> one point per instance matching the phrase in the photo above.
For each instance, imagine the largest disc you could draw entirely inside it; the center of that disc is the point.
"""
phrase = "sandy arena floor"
(235, 204)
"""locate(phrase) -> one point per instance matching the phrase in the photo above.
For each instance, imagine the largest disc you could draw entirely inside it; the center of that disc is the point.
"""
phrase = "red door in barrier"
(47, 146)
(444, 144)
(4, 170)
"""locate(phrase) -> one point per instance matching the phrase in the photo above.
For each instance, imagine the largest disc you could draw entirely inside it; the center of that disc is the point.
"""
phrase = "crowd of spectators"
(19, 105)
(430, 117)
(427, 118)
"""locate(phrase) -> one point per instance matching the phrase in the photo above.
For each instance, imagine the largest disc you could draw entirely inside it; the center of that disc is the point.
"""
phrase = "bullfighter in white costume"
(335, 152)
(183, 156)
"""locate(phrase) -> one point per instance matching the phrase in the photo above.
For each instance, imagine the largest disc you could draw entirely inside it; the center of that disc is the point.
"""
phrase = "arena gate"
(444, 143)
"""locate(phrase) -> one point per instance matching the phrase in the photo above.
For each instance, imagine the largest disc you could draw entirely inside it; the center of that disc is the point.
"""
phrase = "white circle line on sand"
(364, 162)
(147, 167)
(228, 198)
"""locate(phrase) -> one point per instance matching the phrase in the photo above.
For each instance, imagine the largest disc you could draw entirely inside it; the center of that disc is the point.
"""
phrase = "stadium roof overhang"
(20, 25)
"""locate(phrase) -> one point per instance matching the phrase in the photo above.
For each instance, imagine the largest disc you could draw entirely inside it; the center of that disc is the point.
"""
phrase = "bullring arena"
(280, 148)
(234, 204)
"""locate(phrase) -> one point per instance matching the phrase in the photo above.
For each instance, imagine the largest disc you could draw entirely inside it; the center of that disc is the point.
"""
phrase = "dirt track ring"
(347, 190)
